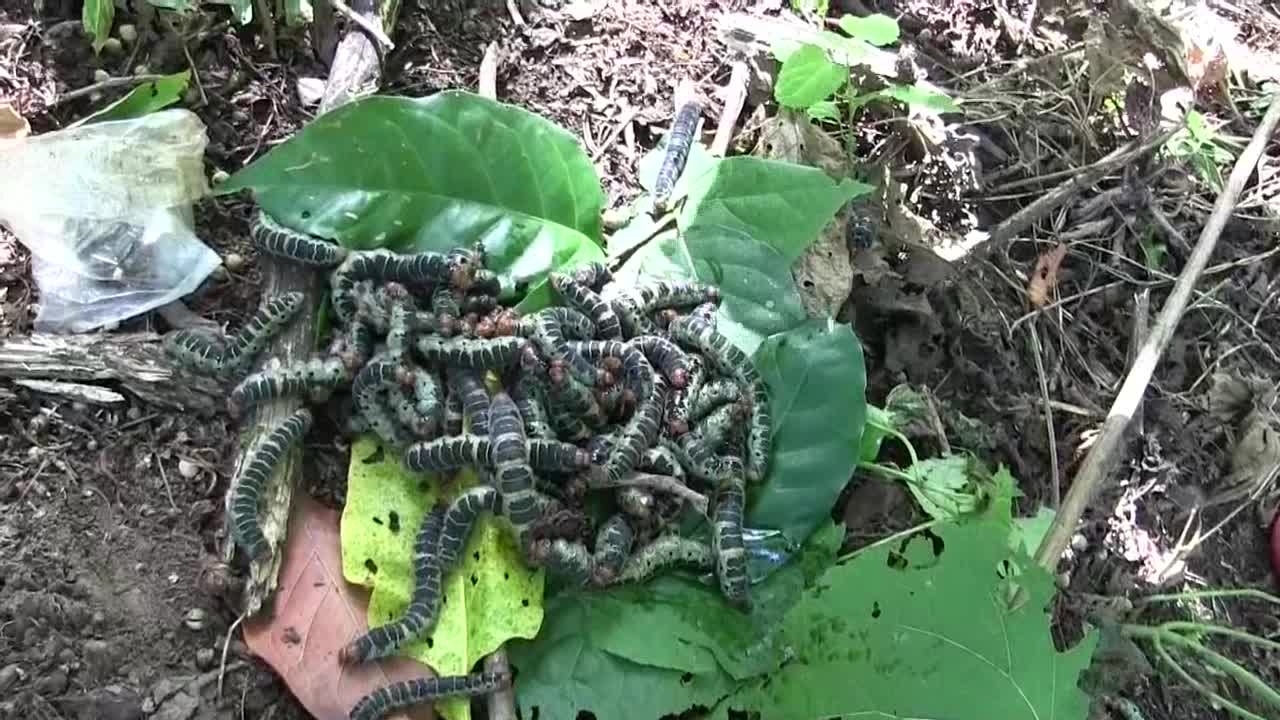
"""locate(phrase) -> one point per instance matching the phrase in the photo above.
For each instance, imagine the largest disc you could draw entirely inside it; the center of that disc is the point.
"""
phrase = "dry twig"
(735, 96)
(1098, 462)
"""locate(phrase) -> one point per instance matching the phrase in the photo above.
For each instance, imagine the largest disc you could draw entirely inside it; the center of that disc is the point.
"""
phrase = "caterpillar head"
(486, 328)
(665, 317)
(679, 378)
(505, 322)
(677, 426)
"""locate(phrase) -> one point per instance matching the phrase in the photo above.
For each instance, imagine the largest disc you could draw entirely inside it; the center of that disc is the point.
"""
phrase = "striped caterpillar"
(567, 560)
(585, 300)
(728, 545)
(492, 354)
(697, 334)
(459, 519)
(272, 238)
(204, 352)
(613, 546)
(450, 453)
(368, 389)
(664, 552)
(667, 356)
(420, 615)
(679, 141)
(454, 268)
(638, 435)
(568, 395)
(700, 460)
(512, 473)
(248, 487)
(548, 328)
(475, 399)
(712, 395)
(406, 693)
(314, 378)
(592, 275)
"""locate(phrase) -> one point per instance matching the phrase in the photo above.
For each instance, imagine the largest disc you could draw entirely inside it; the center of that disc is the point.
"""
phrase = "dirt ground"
(110, 517)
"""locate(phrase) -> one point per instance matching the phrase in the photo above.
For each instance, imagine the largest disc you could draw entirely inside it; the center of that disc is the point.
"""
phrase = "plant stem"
(1158, 635)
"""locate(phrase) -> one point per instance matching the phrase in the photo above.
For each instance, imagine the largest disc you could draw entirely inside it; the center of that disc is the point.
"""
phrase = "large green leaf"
(817, 384)
(434, 174)
(147, 97)
(906, 632)
(704, 647)
(782, 204)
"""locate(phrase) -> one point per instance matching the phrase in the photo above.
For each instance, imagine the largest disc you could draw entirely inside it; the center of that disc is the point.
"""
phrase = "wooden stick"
(1098, 462)
(356, 69)
(134, 361)
(735, 96)
(488, 82)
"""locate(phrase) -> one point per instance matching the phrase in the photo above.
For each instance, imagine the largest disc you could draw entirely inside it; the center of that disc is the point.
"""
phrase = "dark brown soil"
(112, 517)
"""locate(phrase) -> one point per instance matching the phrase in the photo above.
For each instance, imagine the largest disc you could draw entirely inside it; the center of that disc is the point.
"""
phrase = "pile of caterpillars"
(624, 391)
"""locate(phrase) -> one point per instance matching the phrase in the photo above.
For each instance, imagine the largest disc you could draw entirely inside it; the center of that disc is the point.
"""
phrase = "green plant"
(815, 77)
(1199, 144)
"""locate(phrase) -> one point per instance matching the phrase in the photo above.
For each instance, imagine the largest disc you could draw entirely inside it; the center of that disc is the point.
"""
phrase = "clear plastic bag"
(106, 210)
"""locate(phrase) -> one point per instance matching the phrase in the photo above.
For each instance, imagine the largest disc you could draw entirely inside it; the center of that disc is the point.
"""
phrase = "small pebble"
(101, 75)
(112, 46)
(128, 33)
(99, 618)
(204, 658)
(1079, 542)
(141, 70)
(220, 176)
(188, 469)
(233, 261)
(195, 619)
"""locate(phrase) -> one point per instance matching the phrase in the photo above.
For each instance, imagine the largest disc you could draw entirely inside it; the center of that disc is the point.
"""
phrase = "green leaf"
(877, 29)
(808, 77)
(242, 10)
(943, 486)
(1029, 532)
(600, 647)
(918, 98)
(146, 98)
(179, 6)
(878, 426)
(490, 596)
(783, 204)
(903, 632)
(817, 384)
(97, 17)
(825, 110)
(435, 174)
(297, 12)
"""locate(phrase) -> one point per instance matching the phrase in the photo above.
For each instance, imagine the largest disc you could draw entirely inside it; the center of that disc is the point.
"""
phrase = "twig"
(1138, 338)
(1037, 353)
(513, 9)
(1099, 459)
(1080, 179)
(226, 644)
(374, 31)
(502, 704)
(488, 85)
(661, 483)
(735, 96)
(108, 84)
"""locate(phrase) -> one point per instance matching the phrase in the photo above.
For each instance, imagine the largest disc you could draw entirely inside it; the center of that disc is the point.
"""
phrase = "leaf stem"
(1158, 635)
(886, 540)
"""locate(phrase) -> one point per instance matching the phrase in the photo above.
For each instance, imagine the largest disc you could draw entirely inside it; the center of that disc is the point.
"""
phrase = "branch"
(1098, 462)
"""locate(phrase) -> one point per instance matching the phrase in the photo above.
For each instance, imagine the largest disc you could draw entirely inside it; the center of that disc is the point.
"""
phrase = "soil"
(111, 517)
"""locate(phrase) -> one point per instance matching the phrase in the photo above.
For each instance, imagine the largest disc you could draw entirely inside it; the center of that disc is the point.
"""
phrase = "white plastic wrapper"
(105, 209)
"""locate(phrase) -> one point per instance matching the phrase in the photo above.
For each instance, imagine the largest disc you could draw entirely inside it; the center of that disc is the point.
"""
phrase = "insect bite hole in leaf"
(306, 215)
(474, 580)
(377, 519)
(431, 641)
(875, 610)
(371, 566)
(393, 518)
(524, 602)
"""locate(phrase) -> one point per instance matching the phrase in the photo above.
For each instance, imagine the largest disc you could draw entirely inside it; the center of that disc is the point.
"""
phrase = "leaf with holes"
(437, 173)
(489, 597)
(923, 629)
(147, 97)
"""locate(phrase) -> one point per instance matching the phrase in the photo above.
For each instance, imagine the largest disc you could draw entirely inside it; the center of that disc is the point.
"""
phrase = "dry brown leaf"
(13, 127)
(316, 613)
(1045, 278)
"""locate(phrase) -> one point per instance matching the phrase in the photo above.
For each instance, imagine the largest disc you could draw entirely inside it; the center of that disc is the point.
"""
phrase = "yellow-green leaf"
(489, 597)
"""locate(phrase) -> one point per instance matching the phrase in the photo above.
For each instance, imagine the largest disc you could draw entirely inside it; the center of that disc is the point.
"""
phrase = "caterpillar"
(313, 378)
(397, 321)
(528, 396)
(366, 389)
(547, 329)
(452, 411)
(592, 275)
(664, 552)
(475, 399)
(563, 559)
(448, 453)
(712, 395)
(639, 433)
(245, 530)
(198, 350)
(272, 238)
(458, 520)
(638, 374)
(662, 461)
(720, 426)
(667, 356)
(613, 546)
(534, 373)
(730, 360)
(492, 354)
(634, 321)
(406, 693)
(706, 312)
(485, 284)
(426, 395)
(424, 602)
(587, 301)
(454, 268)
(556, 456)
(612, 401)
(204, 352)
(575, 398)
(661, 294)
(512, 474)
(728, 545)
(676, 153)
(678, 409)
(698, 459)
(445, 303)
(599, 447)
(405, 410)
